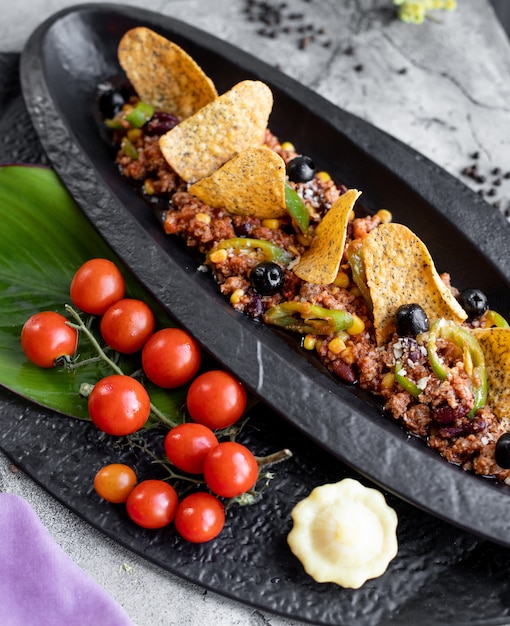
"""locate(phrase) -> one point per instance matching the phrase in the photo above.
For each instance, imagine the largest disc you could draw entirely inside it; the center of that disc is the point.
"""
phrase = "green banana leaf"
(44, 238)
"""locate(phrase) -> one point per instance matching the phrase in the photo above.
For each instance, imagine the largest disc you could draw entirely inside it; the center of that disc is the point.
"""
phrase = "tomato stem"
(171, 474)
(81, 326)
(276, 457)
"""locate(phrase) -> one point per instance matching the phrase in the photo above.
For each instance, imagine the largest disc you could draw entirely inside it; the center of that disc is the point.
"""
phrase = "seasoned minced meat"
(438, 414)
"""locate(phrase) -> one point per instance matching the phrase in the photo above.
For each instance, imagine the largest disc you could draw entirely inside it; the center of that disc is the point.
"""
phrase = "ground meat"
(332, 297)
(454, 391)
(417, 419)
(371, 369)
(361, 227)
(277, 236)
(199, 224)
(434, 409)
(485, 464)
(445, 277)
(318, 196)
(150, 168)
(237, 265)
(398, 403)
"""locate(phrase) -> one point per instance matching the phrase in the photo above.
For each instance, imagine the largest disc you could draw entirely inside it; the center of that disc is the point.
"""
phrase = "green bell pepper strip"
(140, 115)
(136, 118)
(495, 319)
(296, 209)
(128, 148)
(271, 251)
(354, 254)
(404, 382)
(473, 357)
(304, 317)
(116, 123)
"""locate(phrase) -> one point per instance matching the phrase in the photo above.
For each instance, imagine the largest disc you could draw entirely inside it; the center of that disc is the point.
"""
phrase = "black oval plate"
(61, 66)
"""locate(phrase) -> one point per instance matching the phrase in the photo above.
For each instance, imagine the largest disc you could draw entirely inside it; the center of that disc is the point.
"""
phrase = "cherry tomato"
(230, 469)
(46, 336)
(97, 285)
(200, 517)
(114, 482)
(170, 358)
(216, 399)
(152, 503)
(127, 325)
(187, 445)
(119, 405)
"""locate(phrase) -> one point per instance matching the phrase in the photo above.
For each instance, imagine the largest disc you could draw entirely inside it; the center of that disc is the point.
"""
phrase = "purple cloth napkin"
(39, 584)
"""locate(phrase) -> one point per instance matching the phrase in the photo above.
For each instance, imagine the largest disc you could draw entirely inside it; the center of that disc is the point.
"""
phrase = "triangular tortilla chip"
(320, 264)
(400, 270)
(163, 74)
(495, 344)
(235, 121)
(251, 183)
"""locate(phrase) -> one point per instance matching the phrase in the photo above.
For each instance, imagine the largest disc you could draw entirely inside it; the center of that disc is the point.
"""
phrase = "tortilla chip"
(495, 344)
(235, 121)
(400, 270)
(320, 264)
(163, 74)
(251, 183)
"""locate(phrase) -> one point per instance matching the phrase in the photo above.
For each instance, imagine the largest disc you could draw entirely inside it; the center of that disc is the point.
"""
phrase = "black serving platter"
(61, 67)
(64, 61)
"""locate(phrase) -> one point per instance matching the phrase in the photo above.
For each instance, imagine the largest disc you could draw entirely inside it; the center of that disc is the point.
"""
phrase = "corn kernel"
(133, 134)
(303, 239)
(288, 145)
(348, 356)
(355, 291)
(324, 176)
(218, 256)
(358, 325)
(468, 361)
(336, 345)
(342, 280)
(271, 223)
(148, 187)
(388, 380)
(203, 218)
(385, 216)
(309, 342)
(236, 296)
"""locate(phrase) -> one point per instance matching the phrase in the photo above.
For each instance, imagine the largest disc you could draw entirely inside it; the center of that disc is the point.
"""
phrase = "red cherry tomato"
(187, 445)
(216, 399)
(230, 469)
(170, 358)
(97, 285)
(114, 482)
(200, 517)
(46, 336)
(119, 405)
(127, 325)
(152, 504)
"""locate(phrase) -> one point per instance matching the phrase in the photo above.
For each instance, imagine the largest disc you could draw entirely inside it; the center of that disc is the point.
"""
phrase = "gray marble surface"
(443, 87)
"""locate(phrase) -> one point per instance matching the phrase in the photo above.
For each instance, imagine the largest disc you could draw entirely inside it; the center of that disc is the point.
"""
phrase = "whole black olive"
(411, 320)
(502, 452)
(300, 169)
(267, 278)
(111, 102)
(474, 302)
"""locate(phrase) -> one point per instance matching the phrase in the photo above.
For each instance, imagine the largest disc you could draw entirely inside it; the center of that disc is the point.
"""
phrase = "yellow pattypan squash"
(344, 533)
